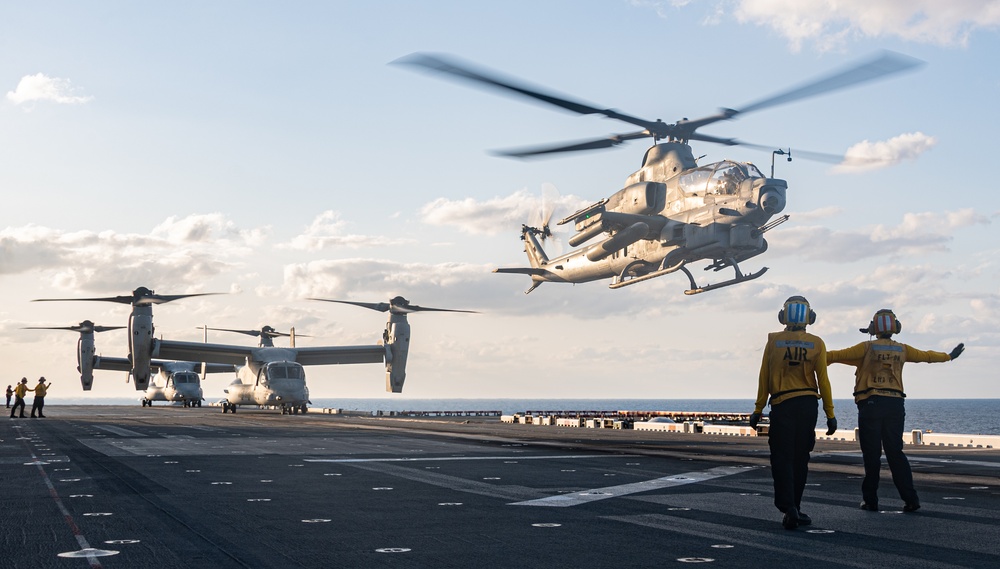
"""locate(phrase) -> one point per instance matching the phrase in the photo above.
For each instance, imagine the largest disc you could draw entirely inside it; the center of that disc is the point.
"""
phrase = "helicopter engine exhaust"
(620, 240)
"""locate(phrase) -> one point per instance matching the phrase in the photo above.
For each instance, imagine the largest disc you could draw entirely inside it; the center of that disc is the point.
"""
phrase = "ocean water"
(965, 416)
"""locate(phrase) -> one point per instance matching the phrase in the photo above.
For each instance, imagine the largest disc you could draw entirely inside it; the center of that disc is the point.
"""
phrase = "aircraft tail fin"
(536, 256)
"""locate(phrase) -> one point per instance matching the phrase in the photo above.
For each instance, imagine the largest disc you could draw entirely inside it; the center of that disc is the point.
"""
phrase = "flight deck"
(106, 486)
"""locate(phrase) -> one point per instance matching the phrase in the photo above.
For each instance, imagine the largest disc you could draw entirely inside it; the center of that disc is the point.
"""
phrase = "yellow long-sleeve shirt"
(879, 365)
(793, 365)
(21, 390)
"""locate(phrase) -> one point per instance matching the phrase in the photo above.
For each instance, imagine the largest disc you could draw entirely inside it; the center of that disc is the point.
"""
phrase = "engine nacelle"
(85, 352)
(140, 327)
(397, 342)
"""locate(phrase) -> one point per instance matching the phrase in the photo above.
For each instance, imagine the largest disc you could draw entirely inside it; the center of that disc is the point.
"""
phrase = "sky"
(271, 151)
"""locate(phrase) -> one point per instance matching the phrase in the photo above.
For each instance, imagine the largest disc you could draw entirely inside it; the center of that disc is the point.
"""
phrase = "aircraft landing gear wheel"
(225, 407)
(304, 409)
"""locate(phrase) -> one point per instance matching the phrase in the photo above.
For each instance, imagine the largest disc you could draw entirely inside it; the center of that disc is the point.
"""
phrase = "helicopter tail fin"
(536, 255)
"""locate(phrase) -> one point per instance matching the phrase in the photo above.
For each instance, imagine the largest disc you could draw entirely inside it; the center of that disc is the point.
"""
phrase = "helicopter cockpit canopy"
(720, 179)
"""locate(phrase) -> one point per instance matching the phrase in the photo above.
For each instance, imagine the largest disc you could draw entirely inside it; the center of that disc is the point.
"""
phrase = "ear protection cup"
(884, 323)
(796, 312)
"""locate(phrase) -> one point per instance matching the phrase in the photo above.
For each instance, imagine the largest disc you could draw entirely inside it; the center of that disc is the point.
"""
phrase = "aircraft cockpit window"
(185, 378)
(277, 372)
(726, 179)
(294, 372)
(752, 171)
(695, 181)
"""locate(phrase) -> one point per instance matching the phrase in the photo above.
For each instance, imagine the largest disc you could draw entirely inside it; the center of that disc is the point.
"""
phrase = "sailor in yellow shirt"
(793, 375)
(19, 393)
(40, 390)
(878, 392)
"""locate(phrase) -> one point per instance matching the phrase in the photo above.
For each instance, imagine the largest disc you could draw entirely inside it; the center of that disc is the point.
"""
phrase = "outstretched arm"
(929, 356)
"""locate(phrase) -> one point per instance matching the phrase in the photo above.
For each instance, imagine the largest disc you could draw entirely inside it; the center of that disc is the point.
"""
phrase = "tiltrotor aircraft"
(140, 328)
(177, 382)
(275, 376)
(671, 212)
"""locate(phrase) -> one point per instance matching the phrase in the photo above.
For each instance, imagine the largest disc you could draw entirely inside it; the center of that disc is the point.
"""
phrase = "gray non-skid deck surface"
(174, 487)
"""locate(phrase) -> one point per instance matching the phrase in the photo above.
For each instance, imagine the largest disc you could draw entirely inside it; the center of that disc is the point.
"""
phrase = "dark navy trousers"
(791, 436)
(880, 427)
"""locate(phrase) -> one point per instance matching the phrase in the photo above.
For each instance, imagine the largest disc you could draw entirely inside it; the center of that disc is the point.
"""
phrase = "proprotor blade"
(379, 306)
(397, 305)
(85, 326)
(165, 298)
(139, 297)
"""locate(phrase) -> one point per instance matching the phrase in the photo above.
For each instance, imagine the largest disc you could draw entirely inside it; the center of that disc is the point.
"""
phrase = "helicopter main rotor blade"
(595, 144)
(885, 64)
(452, 67)
(816, 156)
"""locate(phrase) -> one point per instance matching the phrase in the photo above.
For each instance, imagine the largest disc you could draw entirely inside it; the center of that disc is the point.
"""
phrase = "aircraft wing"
(202, 352)
(112, 364)
(333, 355)
(217, 368)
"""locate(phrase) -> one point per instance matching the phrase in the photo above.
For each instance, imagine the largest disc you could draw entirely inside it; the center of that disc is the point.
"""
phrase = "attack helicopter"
(672, 212)
(140, 327)
(175, 381)
(274, 376)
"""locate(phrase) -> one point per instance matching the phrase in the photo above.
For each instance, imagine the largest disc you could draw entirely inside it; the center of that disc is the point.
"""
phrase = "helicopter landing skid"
(740, 277)
(621, 281)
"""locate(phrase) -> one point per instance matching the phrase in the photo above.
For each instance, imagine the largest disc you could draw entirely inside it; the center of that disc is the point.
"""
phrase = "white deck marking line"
(919, 458)
(119, 431)
(577, 498)
(449, 458)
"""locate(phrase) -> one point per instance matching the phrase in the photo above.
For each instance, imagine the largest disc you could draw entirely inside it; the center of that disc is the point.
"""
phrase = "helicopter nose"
(772, 202)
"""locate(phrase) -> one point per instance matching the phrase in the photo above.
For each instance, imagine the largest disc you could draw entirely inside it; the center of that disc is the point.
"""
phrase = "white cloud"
(918, 233)
(326, 231)
(830, 23)
(177, 252)
(379, 280)
(500, 214)
(40, 87)
(867, 155)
